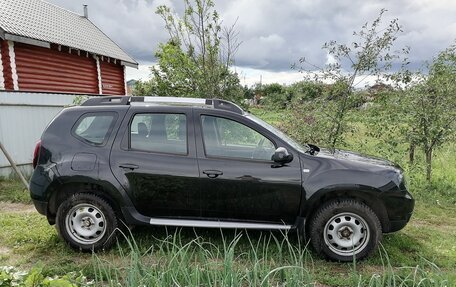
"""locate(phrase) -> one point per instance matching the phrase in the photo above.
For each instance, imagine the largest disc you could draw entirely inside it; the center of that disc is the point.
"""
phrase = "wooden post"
(14, 166)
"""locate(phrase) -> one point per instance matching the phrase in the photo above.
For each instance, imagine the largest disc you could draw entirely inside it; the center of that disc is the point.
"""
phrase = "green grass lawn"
(13, 191)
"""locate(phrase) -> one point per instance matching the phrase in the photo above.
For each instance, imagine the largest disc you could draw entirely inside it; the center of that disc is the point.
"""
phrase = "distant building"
(45, 48)
(130, 87)
(379, 87)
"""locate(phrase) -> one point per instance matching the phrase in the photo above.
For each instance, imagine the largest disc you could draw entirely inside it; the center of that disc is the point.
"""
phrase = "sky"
(275, 34)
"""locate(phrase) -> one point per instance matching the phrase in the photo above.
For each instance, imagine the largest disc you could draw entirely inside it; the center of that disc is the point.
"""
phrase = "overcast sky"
(276, 33)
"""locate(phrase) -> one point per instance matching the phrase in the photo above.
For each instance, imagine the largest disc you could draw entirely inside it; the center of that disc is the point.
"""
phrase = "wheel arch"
(59, 191)
(366, 195)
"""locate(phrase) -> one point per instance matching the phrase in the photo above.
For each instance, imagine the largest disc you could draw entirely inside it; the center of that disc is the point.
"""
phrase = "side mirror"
(282, 156)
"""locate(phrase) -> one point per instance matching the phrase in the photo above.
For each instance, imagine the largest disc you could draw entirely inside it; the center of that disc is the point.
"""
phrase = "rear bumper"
(41, 206)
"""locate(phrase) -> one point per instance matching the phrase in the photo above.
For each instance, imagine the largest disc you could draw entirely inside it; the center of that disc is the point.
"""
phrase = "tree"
(274, 95)
(305, 91)
(144, 88)
(369, 55)
(422, 113)
(197, 60)
(432, 106)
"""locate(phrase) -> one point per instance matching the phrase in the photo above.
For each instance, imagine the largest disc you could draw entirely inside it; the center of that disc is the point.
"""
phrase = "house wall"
(112, 78)
(30, 68)
(51, 70)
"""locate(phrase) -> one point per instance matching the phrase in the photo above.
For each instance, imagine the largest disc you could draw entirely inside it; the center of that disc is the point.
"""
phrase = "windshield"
(279, 133)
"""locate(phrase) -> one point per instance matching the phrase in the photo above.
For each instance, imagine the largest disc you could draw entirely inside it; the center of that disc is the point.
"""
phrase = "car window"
(165, 133)
(227, 138)
(94, 128)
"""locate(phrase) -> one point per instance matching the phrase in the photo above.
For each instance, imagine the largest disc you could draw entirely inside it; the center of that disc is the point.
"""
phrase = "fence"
(23, 118)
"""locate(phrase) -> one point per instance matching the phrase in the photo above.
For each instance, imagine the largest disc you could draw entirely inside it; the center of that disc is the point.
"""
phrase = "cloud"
(330, 59)
(275, 34)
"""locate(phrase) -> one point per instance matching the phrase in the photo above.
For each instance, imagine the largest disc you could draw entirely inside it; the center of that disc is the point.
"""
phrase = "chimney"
(86, 11)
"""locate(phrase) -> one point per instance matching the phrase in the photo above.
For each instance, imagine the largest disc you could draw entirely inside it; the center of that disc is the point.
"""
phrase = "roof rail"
(169, 100)
(225, 105)
(102, 100)
(215, 103)
(125, 100)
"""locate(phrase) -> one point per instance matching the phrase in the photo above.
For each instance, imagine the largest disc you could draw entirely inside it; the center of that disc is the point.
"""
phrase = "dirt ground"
(8, 207)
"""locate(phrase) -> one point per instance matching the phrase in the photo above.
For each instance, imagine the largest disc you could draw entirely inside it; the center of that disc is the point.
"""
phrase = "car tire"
(86, 222)
(345, 230)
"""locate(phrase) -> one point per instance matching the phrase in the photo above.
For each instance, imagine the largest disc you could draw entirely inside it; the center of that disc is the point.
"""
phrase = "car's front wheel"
(86, 222)
(345, 230)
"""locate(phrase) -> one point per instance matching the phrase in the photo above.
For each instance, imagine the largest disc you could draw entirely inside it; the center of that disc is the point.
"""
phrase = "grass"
(197, 262)
(13, 191)
(273, 117)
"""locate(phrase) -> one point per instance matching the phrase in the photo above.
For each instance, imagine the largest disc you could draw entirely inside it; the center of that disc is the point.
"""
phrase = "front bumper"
(396, 225)
(400, 211)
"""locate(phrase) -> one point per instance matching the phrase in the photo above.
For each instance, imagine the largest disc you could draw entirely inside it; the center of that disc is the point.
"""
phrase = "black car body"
(207, 163)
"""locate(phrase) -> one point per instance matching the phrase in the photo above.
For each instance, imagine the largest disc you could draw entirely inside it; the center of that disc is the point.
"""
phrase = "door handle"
(212, 173)
(128, 166)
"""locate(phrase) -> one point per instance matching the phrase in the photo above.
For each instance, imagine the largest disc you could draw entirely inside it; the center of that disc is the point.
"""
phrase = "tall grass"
(267, 260)
(424, 274)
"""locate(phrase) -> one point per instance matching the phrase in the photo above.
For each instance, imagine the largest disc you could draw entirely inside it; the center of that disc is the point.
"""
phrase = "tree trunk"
(412, 153)
(428, 153)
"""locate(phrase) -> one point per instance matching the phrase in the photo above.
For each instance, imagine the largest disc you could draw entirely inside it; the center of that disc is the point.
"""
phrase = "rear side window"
(94, 128)
(163, 133)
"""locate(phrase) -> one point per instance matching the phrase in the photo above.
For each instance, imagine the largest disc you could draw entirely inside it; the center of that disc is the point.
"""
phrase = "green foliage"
(420, 116)
(248, 93)
(273, 95)
(272, 89)
(144, 88)
(78, 100)
(196, 61)
(305, 91)
(432, 120)
(279, 97)
(9, 276)
(383, 123)
(176, 76)
(276, 100)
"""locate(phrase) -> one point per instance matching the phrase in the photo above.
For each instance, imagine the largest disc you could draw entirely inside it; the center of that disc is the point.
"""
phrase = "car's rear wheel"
(345, 230)
(86, 222)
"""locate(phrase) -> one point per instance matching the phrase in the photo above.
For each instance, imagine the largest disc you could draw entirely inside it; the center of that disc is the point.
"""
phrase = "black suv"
(207, 163)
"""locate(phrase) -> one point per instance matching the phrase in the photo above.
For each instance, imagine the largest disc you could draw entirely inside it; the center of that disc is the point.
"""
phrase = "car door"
(156, 163)
(239, 182)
